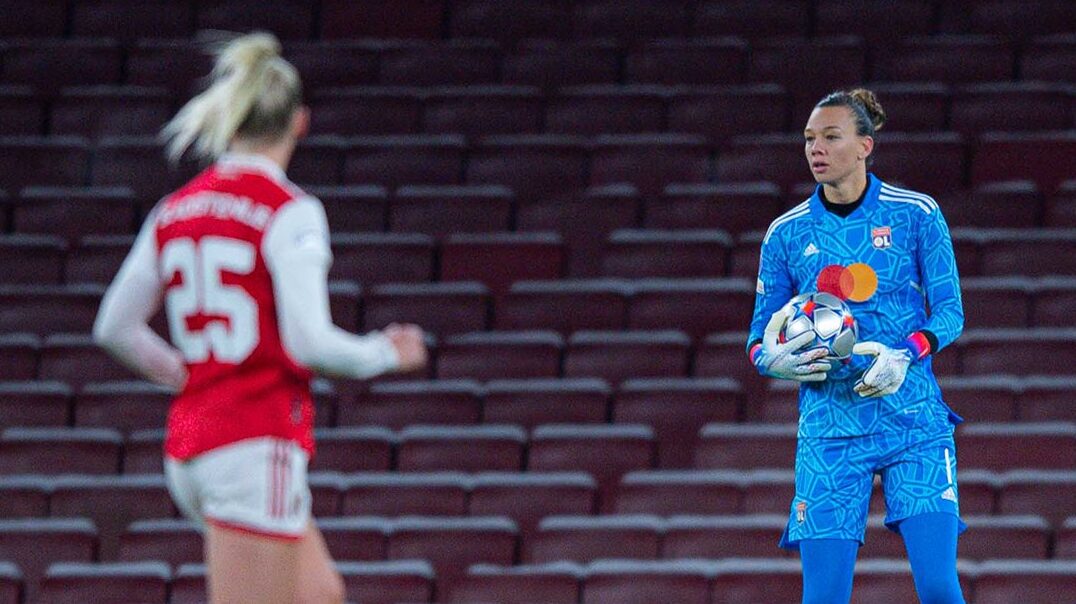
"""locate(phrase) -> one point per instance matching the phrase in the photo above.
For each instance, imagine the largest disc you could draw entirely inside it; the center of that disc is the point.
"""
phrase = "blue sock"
(828, 568)
(931, 543)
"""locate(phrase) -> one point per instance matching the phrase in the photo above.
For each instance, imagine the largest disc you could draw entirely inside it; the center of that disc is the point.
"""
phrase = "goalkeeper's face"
(834, 151)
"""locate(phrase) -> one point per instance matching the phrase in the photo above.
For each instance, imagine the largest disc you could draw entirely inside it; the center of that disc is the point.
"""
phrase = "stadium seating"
(486, 448)
(367, 448)
(126, 406)
(648, 581)
(170, 540)
(91, 451)
(529, 497)
(588, 538)
(505, 355)
(399, 404)
(75, 582)
(404, 494)
(388, 582)
(750, 536)
(532, 402)
(499, 259)
(358, 110)
(555, 583)
(1028, 581)
(618, 356)
(669, 492)
(34, 543)
(33, 403)
(10, 583)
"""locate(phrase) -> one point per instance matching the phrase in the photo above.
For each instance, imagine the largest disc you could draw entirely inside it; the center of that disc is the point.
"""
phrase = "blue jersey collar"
(870, 201)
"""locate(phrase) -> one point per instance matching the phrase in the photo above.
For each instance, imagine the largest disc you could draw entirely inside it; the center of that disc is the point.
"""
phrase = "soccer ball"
(829, 318)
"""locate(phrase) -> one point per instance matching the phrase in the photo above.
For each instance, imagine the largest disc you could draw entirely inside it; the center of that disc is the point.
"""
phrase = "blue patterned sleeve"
(774, 287)
(941, 282)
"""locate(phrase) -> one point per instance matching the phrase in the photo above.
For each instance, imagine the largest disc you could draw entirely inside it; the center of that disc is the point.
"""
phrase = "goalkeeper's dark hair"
(867, 111)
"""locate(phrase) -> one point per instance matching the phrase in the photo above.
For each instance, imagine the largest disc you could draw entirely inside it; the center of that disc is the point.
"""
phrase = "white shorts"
(256, 485)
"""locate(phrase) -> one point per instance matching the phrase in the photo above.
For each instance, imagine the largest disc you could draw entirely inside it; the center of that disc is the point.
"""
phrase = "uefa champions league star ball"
(829, 318)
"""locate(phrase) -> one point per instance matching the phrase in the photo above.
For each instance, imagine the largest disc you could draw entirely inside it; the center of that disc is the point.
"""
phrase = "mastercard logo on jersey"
(856, 282)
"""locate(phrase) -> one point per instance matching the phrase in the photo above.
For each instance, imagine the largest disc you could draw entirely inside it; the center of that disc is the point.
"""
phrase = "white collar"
(255, 163)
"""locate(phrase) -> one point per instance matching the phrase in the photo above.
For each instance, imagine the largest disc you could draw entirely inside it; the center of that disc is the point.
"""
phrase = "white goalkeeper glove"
(781, 361)
(886, 374)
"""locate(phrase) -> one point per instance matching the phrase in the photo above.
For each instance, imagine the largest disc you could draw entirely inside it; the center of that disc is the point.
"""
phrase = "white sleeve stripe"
(922, 206)
(897, 192)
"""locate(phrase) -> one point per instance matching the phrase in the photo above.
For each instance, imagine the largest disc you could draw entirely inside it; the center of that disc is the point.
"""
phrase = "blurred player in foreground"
(240, 256)
(887, 251)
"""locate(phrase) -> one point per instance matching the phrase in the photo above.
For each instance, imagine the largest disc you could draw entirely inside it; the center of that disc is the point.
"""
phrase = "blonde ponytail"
(253, 94)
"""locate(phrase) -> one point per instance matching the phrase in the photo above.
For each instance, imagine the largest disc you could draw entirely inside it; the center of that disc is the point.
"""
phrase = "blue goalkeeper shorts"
(834, 477)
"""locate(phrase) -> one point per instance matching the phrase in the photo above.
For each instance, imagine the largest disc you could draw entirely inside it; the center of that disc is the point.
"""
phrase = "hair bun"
(870, 102)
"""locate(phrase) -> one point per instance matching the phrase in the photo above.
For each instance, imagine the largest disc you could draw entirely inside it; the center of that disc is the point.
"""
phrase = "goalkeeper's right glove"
(777, 360)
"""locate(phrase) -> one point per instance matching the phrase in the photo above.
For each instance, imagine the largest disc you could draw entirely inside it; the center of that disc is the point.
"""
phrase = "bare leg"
(319, 582)
(246, 568)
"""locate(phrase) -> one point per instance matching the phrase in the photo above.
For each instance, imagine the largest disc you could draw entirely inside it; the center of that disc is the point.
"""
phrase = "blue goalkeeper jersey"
(904, 238)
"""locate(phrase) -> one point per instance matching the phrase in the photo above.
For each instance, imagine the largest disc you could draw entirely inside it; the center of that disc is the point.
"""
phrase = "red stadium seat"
(326, 490)
(61, 161)
(1066, 540)
(765, 157)
(554, 65)
(746, 446)
(902, 18)
(649, 161)
(388, 582)
(914, 106)
(463, 448)
(1061, 206)
(746, 580)
(172, 540)
(1016, 204)
(43, 20)
(11, 583)
(967, 244)
(1038, 156)
(20, 353)
(453, 544)
(33, 544)
(94, 112)
(75, 582)
(669, 492)
(318, 160)
(529, 497)
(564, 306)
(556, 583)
(330, 64)
(130, 19)
(138, 163)
(696, 306)
(365, 111)
(1050, 445)
(1047, 493)
(721, 536)
(33, 403)
(125, 406)
(606, 109)
(532, 402)
(81, 62)
(993, 537)
(475, 111)
(638, 581)
(588, 538)
(96, 259)
(751, 19)
(1052, 301)
(982, 398)
(355, 538)
(75, 212)
(646, 253)
(393, 161)
(441, 211)
(399, 404)
(499, 259)
(768, 491)
(722, 355)
(441, 308)
(75, 359)
(1011, 106)
(21, 112)
(1025, 581)
(901, 158)
(292, 19)
(189, 585)
(628, 21)
(712, 61)
(493, 19)
(59, 451)
(380, 19)
(169, 63)
(778, 403)
(404, 494)
(606, 452)
(1047, 398)
(808, 68)
(759, 108)
(367, 448)
(375, 258)
(883, 581)
(535, 167)
(880, 542)
(616, 356)
(143, 453)
(1050, 58)
(442, 63)
(946, 58)
(586, 223)
(1017, 351)
(500, 355)
(996, 302)
(732, 207)
(352, 209)
(32, 259)
(1023, 20)
(112, 502)
(676, 408)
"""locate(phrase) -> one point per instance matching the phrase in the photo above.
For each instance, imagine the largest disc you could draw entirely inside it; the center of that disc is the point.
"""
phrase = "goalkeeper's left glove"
(886, 373)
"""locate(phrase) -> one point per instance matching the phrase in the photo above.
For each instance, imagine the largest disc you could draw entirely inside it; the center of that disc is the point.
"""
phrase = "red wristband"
(918, 344)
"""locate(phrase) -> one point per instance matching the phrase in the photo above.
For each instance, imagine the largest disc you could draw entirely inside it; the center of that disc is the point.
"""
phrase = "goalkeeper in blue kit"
(887, 252)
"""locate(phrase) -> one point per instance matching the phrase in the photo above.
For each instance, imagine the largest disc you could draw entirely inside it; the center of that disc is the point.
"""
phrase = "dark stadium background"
(569, 195)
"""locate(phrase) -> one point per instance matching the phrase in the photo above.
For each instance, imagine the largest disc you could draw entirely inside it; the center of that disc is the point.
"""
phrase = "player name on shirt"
(217, 205)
